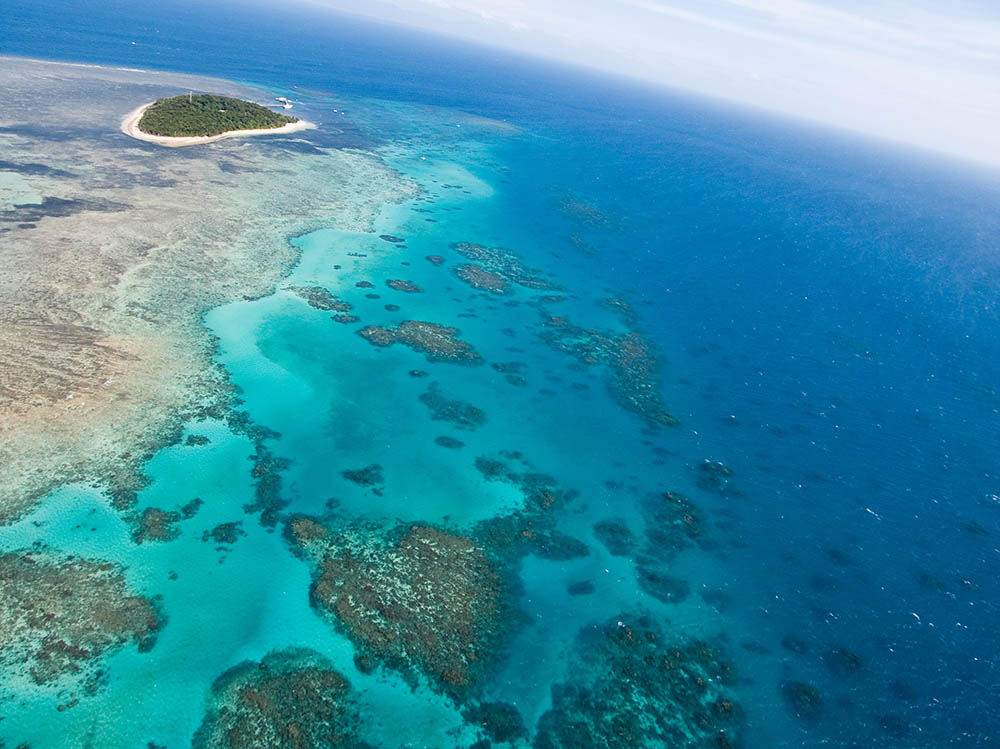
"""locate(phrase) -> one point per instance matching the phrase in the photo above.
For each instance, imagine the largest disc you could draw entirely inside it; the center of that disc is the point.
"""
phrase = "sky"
(922, 72)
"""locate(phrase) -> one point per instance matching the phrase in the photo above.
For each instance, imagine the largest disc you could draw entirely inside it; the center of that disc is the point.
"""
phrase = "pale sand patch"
(130, 126)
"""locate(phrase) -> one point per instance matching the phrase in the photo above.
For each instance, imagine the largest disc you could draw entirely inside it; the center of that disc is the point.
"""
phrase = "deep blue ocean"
(824, 313)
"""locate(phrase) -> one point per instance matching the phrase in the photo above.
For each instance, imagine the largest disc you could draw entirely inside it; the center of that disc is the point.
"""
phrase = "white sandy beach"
(130, 126)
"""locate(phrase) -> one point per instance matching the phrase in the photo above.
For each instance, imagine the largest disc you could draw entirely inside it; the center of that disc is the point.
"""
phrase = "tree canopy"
(207, 114)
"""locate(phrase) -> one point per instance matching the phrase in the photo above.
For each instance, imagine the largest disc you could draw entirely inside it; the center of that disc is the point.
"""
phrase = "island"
(191, 119)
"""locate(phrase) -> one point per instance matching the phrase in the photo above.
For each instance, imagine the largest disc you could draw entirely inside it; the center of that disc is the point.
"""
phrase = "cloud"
(916, 71)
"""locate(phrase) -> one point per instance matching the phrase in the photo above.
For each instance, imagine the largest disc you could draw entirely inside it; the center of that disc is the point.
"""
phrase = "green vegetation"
(206, 114)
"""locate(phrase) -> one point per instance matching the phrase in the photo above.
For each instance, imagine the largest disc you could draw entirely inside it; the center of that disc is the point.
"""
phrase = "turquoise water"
(823, 316)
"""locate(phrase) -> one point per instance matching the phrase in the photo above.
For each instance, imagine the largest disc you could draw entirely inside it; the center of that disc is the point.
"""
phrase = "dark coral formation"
(450, 442)
(673, 523)
(530, 529)
(266, 473)
(480, 278)
(155, 524)
(794, 645)
(843, 662)
(290, 700)
(560, 547)
(629, 359)
(580, 588)
(503, 263)
(196, 440)
(391, 239)
(58, 615)
(224, 533)
(660, 585)
(628, 688)
(320, 298)
(435, 259)
(437, 342)
(419, 600)
(401, 285)
(345, 319)
(463, 415)
(716, 476)
(500, 721)
(616, 537)
(803, 700)
(370, 475)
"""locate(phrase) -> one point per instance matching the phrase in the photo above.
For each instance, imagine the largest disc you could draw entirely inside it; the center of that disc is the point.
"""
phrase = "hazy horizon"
(905, 72)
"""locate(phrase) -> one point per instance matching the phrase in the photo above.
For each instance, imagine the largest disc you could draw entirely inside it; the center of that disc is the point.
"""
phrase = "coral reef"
(59, 614)
(629, 359)
(482, 279)
(155, 524)
(804, 700)
(843, 662)
(419, 599)
(406, 286)
(660, 585)
(266, 472)
(500, 721)
(502, 263)
(370, 475)
(437, 342)
(716, 477)
(320, 298)
(224, 533)
(673, 523)
(616, 537)
(292, 699)
(628, 688)
(463, 415)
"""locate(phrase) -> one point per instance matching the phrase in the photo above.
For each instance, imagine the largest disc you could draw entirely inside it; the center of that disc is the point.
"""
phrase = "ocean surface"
(822, 311)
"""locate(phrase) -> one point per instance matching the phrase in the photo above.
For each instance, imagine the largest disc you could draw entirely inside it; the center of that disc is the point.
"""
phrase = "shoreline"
(130, 126)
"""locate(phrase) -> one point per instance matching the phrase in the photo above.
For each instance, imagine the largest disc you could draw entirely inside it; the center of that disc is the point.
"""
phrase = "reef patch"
(292, 699)
(320, 298)
(627, 688)
(417, 599)
(437, 342)
(463, 415)
(57, 615)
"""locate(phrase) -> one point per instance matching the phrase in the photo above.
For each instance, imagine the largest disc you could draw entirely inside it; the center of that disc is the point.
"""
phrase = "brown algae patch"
(437, 342)
(419, 600)
(292, 699)
(58, 615)
(627, 688)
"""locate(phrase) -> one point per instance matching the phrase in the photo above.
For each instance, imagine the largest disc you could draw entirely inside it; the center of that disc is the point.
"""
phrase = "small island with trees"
(190, 119)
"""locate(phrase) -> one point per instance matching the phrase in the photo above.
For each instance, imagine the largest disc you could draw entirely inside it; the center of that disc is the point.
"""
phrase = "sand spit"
(130, 126)
(108, 268)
